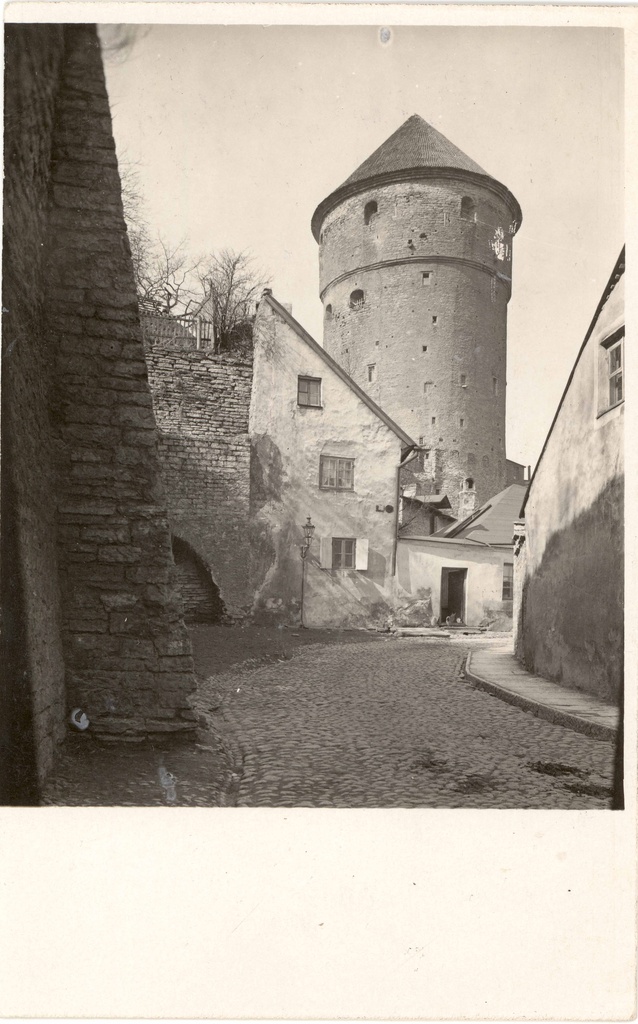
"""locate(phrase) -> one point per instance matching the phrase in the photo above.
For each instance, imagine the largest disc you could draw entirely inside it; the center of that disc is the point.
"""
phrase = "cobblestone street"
(391, 723)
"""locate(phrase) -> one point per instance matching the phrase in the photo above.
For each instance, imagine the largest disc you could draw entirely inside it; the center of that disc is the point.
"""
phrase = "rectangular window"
(425, 348)
(508, 581)
(372, 372)
(615, 360)
(463, 380)
(343, 552)
(426, 277)
(435, 319)
(433, 420)
(462, 422)
(336, 474)
(494, 386)
(309, 391)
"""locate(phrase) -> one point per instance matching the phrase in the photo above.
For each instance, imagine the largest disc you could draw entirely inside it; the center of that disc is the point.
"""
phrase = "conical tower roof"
(415, 150)
(415, 144)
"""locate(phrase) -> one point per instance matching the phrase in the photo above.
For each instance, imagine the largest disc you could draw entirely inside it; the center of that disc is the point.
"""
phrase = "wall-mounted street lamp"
(308, 531)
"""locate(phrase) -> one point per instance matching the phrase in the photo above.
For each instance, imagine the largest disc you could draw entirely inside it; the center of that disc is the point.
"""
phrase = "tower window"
(468, 209)
(435, 319)
(357, 299)
(329, 310)
(426, 278)
(462, 421)
(433, 420)
(372, 372)
(369, 211)
(425, 348)
(469, 484)
(463, 380)
(494, 386)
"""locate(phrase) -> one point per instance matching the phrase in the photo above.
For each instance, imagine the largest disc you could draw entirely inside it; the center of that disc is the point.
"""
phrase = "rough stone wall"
(201, 404)
(33, 668)
(80, 428)
(438, 349)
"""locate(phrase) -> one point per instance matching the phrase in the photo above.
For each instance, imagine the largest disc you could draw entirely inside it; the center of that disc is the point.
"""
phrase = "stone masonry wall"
(431, 350)
(33, 700)
(201, 404)
(85, 400)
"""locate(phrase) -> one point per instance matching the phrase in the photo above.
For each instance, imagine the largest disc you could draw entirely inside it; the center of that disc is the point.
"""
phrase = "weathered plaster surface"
(287, 443)
(420, 562)
(570, 570)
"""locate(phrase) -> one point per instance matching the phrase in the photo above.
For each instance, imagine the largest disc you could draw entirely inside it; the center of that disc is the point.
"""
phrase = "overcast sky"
(241, 131)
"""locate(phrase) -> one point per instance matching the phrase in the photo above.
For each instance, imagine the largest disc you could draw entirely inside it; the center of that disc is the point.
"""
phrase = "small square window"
(508, 581)
(372, 372)
(343, 552)
(309, 391)
(426, 277)
(425, 348)
(336, 474)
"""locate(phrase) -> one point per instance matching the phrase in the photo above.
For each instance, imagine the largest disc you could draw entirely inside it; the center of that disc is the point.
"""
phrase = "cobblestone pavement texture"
(91, 774)
(342, 720)
(394, 724)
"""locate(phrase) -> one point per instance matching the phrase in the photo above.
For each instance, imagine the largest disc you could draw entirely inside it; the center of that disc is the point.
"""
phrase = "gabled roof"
(267, 296)
(493, 522)
(415, 150)
(415, 144)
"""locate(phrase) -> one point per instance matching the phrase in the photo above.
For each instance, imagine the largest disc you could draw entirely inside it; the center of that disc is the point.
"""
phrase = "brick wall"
(102, 621)
(201, 404)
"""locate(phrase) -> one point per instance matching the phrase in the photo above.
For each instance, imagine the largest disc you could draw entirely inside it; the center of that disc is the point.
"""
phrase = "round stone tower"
(415, 253)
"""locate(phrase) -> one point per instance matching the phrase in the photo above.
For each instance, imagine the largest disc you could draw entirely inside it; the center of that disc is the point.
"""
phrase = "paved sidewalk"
(494, 669)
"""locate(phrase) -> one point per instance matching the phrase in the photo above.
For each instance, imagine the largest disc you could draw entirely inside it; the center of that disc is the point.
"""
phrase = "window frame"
(615, 342)
(309, 380)
(508, 582)
(342, 541)
(336, 459)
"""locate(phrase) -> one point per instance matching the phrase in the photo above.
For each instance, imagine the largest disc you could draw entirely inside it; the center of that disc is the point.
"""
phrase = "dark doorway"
(200, 594)
(453, 594)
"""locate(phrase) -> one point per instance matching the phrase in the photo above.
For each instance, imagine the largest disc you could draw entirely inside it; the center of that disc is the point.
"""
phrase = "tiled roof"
(493, 522)
(415, 144)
